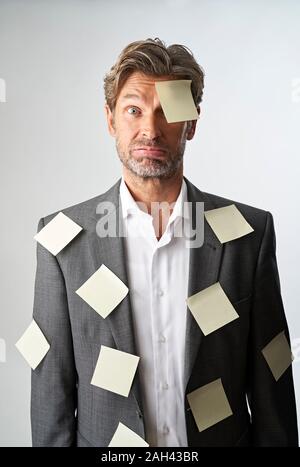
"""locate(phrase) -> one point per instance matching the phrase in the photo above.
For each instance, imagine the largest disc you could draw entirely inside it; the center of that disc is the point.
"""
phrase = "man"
(153, 321)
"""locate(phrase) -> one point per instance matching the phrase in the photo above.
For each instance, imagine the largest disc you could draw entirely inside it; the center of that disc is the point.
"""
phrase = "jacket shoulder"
(255, 216)
(83, 211)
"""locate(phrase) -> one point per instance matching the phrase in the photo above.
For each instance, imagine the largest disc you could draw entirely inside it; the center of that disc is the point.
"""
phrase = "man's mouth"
(150, 151)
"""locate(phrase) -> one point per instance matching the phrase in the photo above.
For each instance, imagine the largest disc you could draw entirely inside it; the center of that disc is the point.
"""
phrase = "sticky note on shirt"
(211, 308)
(278, 355)
(176, 100)
(209, 405)
(228, 223)
(115, 370)
(33, 345)
(103, 291)
(124, 437)
(57, 233)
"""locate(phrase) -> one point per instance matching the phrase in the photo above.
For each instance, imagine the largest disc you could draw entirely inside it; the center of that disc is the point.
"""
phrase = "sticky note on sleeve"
(278, 355)
(33, 345)
(211, 308)
(227, 223)
(124, 437)
(115, 370)
(209, 405)
(103, 291)
(177, 100)
(57, 233)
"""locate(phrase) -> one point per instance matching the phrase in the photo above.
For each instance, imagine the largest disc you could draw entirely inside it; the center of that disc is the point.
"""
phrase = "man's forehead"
(137, 81)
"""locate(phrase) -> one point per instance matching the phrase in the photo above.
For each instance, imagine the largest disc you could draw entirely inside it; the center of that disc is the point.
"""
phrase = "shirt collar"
(130, 206)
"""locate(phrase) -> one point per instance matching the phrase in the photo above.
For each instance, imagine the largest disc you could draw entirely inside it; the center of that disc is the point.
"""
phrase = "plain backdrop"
(56, 151)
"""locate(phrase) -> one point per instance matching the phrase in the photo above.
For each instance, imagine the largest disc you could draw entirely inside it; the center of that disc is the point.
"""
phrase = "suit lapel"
(111, 252)
(204, 268)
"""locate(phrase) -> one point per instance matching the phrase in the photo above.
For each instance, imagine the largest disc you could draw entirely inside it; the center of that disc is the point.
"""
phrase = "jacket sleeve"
(272, 404)
(53, 382)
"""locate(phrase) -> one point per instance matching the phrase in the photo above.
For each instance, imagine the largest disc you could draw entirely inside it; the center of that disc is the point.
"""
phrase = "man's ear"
(191, 126)
(110, 120)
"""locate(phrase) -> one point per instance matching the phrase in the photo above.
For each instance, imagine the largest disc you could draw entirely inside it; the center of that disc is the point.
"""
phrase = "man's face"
(146, 143)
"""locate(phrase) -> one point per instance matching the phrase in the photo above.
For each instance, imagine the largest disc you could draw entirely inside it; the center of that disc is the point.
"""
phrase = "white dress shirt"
(158, 284)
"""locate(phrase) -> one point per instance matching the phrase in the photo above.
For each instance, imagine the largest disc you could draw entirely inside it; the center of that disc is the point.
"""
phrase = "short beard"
(156, 168)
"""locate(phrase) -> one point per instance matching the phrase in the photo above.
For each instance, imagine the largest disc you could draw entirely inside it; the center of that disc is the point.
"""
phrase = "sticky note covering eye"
(209, 405)
(33, 345)
(115, 370)
(57, 233)
(278, 355)
(176, 100)
(124, 437)
(103, 291)
(228, 223)
(211, 308)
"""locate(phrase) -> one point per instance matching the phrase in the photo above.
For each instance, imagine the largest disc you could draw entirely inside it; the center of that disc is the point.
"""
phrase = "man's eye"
(133, 110)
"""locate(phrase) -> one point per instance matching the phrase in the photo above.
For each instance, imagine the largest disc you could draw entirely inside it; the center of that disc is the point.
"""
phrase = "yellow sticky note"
(177, 100)
(103, 291)
(115, 370)
(33, 345)
(228, 223)
(209, 404)
(278, 355)
(211, 308)
(124, 437)
(57, 233)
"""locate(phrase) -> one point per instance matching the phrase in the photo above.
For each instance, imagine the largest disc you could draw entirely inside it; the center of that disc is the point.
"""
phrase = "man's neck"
(150, 192)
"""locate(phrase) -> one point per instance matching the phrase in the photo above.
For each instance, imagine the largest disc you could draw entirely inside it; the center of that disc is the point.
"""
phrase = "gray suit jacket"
(66, 410)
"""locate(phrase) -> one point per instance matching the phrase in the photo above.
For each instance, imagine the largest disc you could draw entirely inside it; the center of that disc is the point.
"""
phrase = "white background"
(56, 151)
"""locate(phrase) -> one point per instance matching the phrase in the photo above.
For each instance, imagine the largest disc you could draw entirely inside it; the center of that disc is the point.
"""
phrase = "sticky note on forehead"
(176, 100)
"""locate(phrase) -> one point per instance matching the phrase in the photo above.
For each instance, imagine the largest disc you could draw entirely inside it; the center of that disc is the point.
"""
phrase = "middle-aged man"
(153, 321)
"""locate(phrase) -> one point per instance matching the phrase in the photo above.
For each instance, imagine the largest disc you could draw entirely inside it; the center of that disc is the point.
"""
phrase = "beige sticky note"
(124, 437)
(278, 355)
(228, 223)
(103, 291)
(177, 100)
(33, 345)
(115, 370)
(211, 308)
(57, 233)
(209, 404)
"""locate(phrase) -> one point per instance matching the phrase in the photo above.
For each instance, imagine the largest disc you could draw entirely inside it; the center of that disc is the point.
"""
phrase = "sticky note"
(2, 90)
(103, 291)
(124, 437)
(115, 370)
(33, 345)
(211, 308)
(57, 233)
(228, 223)
(278, 355)
(177, 100)
(209, 405)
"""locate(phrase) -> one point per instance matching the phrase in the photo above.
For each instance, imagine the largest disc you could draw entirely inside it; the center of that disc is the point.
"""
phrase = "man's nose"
(150, 127)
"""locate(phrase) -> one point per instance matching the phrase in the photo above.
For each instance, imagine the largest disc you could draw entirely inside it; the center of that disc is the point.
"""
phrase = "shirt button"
(165, 386)
(160, 293)
(166, 430)
(162, 338)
